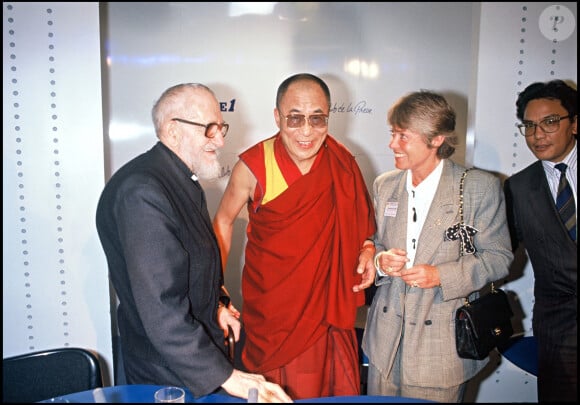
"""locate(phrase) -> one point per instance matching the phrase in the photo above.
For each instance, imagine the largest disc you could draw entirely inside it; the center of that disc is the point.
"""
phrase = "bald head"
(185, 100)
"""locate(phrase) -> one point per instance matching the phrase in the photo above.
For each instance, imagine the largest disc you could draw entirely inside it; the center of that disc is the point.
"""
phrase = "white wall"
(478, 54)
(55, 283)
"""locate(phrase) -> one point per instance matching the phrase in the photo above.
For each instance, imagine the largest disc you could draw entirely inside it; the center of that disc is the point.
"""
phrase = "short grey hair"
(428, 114)
(172, 101)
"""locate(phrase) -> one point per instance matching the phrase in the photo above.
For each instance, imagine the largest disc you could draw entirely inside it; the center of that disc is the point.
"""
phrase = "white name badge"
(391, 209)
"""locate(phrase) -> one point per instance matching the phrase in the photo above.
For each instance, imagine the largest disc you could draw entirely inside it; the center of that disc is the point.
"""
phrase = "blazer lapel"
(441, 215)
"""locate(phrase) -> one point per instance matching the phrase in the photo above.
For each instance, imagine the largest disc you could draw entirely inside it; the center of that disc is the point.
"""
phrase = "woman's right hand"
(393, 261)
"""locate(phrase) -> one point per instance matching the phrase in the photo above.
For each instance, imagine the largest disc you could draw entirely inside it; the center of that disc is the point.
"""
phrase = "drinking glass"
(170, 394)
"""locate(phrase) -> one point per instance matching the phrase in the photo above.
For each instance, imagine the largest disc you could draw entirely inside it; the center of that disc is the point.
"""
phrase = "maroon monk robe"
(301, 256)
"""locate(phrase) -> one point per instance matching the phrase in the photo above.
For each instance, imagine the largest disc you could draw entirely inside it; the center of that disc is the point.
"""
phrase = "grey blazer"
(429, 356)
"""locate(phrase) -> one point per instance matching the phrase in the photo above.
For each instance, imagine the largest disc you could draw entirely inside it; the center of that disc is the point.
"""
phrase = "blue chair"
(36, 376)
(523, 352)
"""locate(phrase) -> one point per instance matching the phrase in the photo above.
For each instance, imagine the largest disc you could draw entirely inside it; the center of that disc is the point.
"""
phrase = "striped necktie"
(565, 202)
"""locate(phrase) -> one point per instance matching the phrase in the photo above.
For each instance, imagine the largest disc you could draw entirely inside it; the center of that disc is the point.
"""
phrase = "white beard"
(209, 169)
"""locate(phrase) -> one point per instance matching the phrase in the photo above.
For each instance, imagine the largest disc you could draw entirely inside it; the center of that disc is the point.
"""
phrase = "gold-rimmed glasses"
(298, 120)
(548, 125)
(211, 129)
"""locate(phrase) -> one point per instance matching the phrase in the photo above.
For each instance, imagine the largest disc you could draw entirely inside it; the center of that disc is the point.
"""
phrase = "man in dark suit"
(548, 112)
(163, 256)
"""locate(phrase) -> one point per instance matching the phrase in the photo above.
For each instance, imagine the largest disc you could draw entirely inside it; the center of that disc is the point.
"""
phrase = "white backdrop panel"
(369, 53)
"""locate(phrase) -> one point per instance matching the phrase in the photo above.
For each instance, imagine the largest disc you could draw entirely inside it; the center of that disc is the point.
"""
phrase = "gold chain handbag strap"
(461, 185)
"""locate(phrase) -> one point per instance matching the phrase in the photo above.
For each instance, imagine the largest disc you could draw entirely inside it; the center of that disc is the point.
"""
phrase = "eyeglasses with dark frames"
(548, 125)
(298, 120)
(211, 129)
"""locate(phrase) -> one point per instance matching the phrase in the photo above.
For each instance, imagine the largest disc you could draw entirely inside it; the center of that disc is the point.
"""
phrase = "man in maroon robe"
(307, 258)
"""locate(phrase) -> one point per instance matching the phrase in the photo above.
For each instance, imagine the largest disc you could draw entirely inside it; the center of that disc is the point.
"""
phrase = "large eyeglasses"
(211, 129)
(298, 120)
(548, 125)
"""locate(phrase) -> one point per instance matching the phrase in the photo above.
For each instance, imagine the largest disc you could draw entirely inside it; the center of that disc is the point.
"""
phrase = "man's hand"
(229, 316)
(366, 267)
(239, 385)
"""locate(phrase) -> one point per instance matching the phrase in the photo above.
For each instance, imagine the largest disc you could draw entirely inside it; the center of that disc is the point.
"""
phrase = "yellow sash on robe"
(275, 182)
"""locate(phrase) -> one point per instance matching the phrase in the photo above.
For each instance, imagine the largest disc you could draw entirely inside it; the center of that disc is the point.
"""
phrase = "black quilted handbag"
(483, 324)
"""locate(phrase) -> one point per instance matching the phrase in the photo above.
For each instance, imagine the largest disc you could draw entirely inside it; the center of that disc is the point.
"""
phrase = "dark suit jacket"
(164, 264)
(534, 220)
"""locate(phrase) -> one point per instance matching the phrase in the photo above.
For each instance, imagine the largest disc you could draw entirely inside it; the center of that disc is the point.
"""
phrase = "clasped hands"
(240, 383)
(393, 263)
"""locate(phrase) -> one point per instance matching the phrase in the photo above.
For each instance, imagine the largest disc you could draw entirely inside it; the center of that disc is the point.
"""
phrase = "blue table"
(144, 394)
(133, 393)
(361, 399)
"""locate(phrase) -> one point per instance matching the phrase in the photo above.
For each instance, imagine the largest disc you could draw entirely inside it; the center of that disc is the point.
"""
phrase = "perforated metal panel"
(55, 283)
